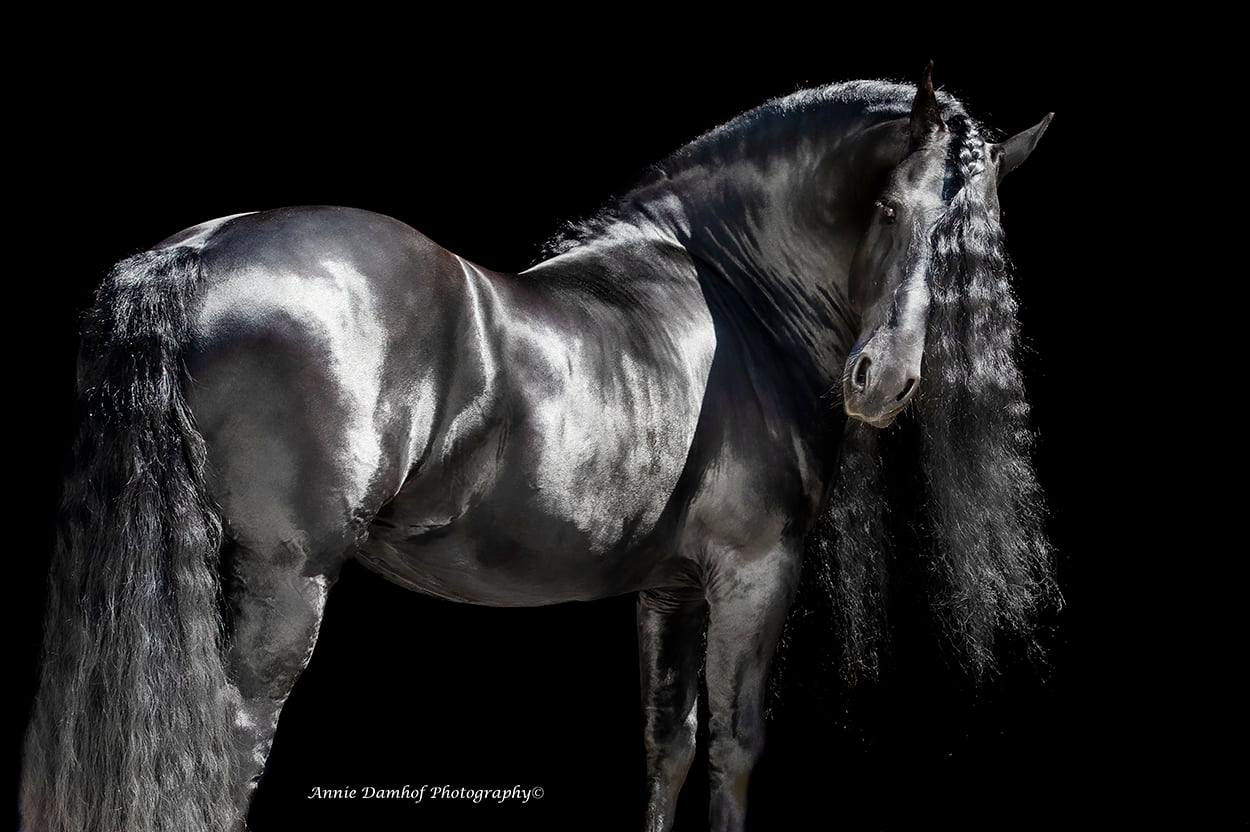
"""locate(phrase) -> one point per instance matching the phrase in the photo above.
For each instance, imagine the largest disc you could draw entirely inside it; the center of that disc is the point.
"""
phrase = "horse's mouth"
(884, 420)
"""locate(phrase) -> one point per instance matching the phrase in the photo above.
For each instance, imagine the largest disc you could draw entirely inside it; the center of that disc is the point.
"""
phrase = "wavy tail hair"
(130, 728)
(981, 515)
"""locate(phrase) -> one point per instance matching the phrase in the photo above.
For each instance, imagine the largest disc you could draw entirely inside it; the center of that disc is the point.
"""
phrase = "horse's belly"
(472, 559)
(523, 520)
(554, 496)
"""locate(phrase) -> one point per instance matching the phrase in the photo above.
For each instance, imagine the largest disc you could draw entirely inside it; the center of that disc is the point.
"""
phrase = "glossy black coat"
(654, 410)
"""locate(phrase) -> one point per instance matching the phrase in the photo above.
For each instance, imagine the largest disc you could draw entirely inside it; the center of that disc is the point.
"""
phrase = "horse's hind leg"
(670, 639)
(294, 469)
(747, 600)
(276, 592)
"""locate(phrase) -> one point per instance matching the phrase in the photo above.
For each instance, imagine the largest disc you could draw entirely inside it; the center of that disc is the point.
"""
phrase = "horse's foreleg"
(747, 606)
(670, 637)
(277, 599)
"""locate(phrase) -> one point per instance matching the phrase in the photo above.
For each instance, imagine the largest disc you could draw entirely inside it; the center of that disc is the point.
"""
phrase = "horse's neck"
(778, 237)
(772, 237)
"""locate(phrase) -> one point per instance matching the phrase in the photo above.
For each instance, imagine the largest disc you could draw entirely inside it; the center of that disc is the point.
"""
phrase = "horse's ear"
(1010, 153)
(926, 116)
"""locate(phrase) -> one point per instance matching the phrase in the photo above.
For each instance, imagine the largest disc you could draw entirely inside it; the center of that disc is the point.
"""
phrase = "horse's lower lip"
(882, 421)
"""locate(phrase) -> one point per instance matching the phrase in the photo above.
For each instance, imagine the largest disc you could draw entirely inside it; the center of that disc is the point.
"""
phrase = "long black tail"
(131, 728)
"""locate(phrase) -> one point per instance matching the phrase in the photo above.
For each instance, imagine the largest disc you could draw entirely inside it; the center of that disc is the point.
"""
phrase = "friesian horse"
(679, 400)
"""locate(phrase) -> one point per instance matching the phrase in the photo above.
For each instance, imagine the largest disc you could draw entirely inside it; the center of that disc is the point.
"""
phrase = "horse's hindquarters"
(312, 366)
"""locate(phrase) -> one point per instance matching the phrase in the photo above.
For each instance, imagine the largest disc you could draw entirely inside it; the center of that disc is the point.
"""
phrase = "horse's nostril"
(859, 376)
(911, 382)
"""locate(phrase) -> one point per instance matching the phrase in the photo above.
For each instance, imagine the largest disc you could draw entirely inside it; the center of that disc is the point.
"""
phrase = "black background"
(485, 150)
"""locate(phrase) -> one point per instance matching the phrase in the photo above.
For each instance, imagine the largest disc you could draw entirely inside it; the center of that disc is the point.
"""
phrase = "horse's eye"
(887, 212)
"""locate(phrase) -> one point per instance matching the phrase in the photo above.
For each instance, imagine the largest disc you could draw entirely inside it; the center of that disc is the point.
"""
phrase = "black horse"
(660, 406)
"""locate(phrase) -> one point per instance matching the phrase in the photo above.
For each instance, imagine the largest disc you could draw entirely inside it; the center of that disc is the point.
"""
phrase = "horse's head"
(889, 279)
